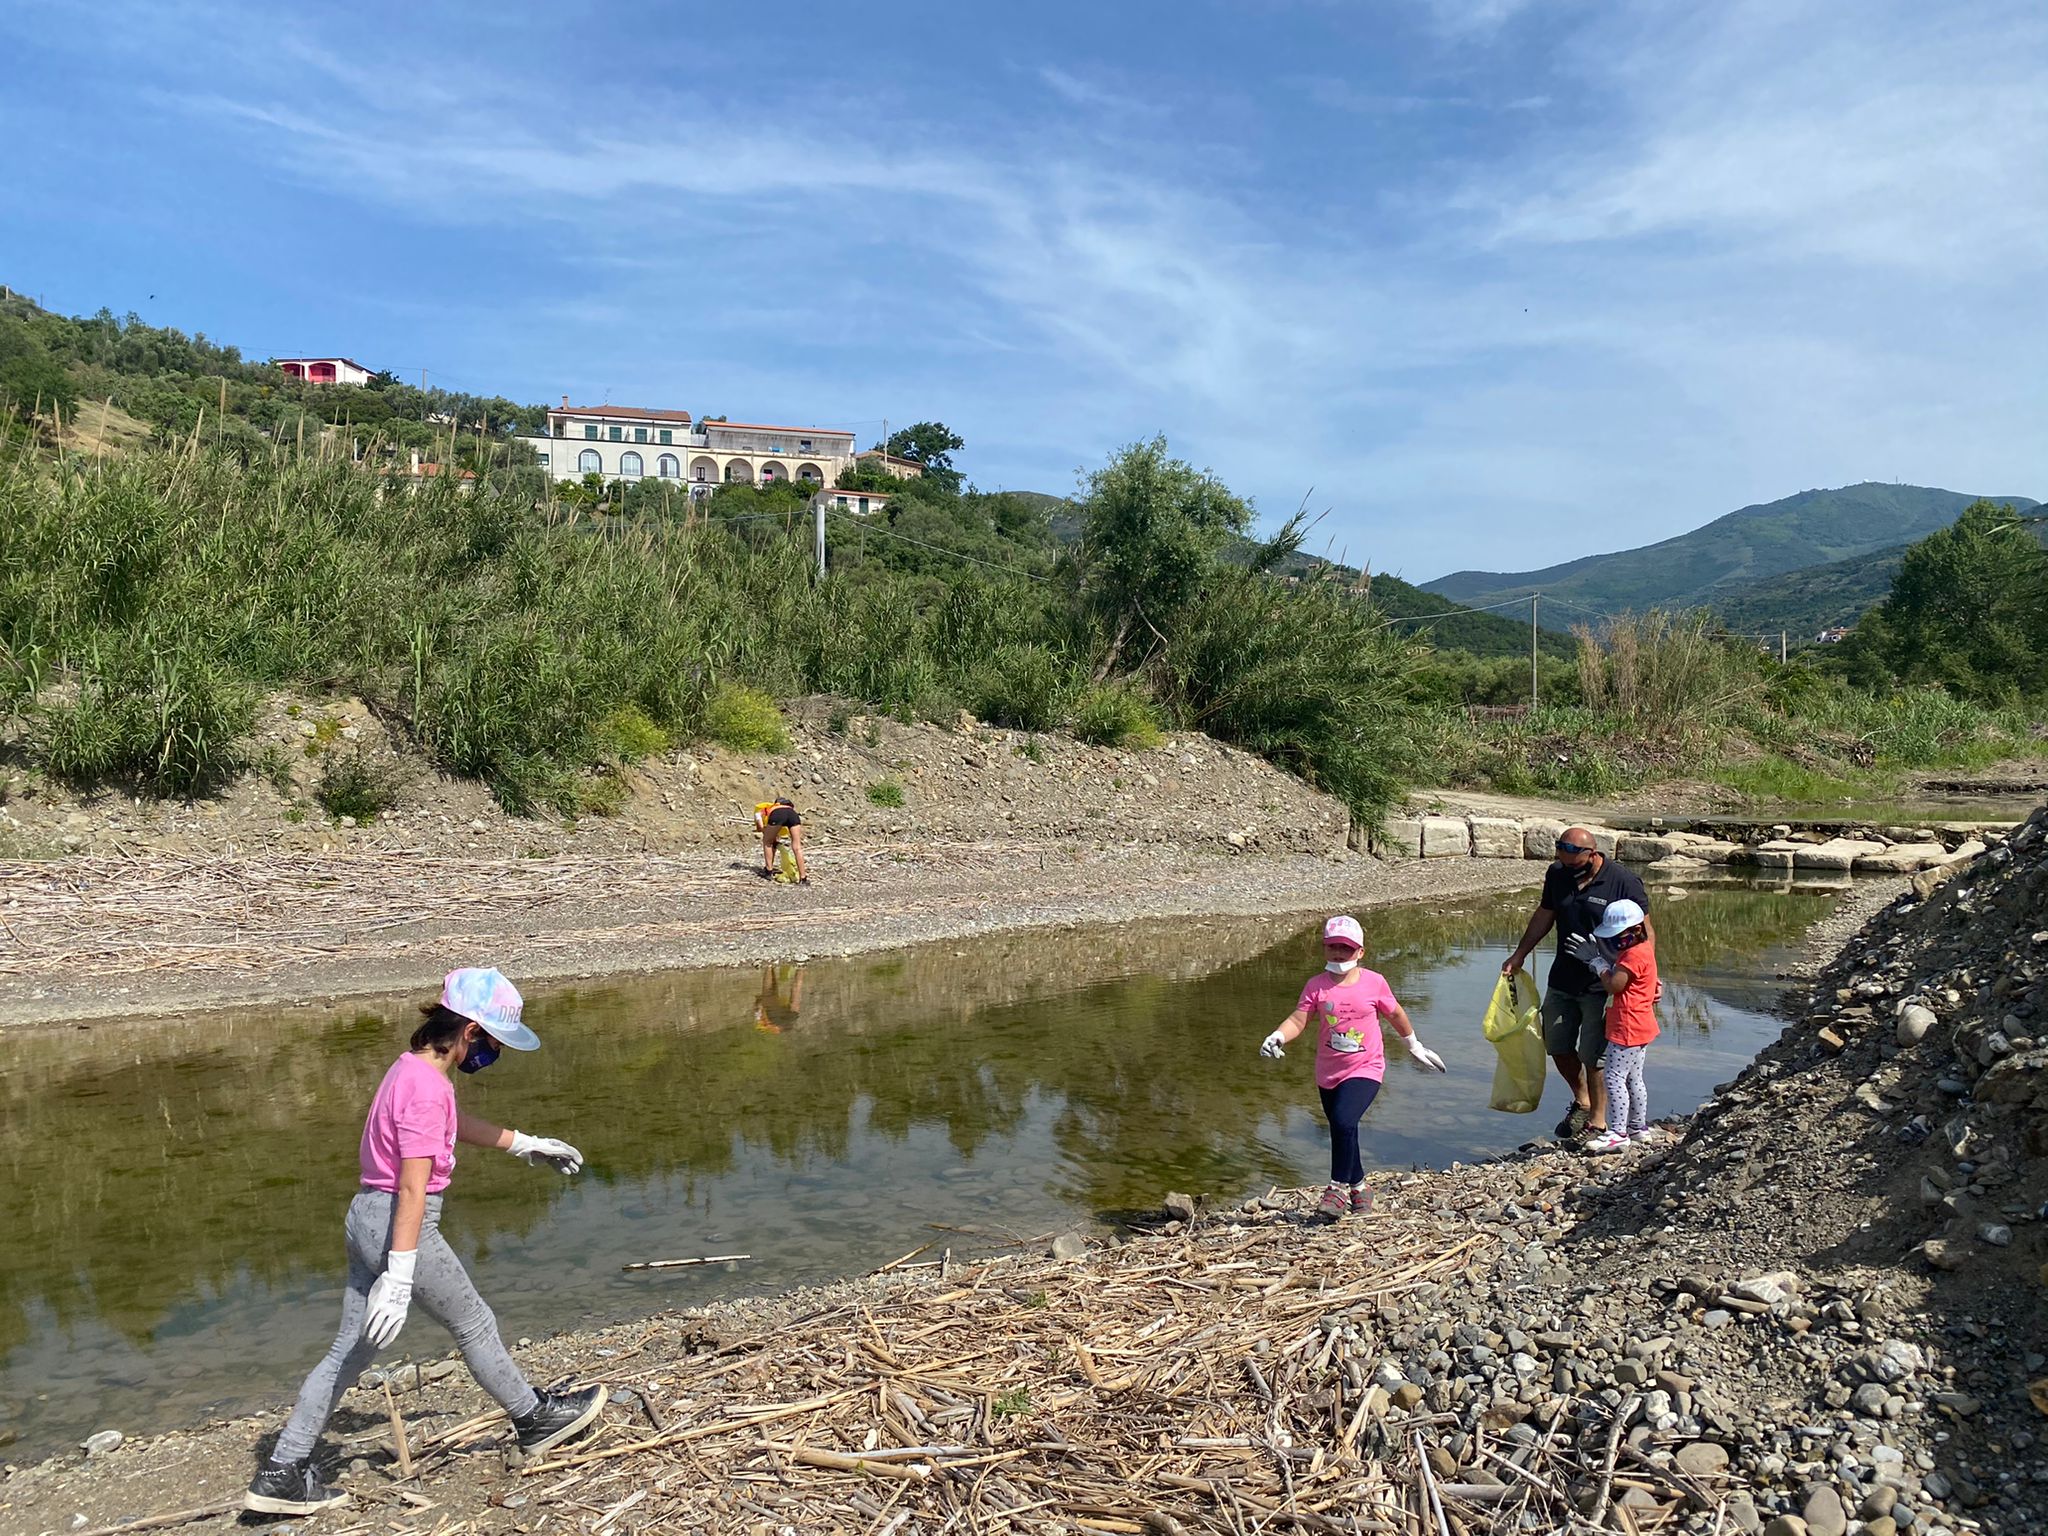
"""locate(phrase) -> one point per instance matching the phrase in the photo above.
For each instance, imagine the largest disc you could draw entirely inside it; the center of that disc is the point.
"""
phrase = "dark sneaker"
(557, 1417)
(292, 1490)
(1335, 1204)
(1575, 1122)
(1361, 1200)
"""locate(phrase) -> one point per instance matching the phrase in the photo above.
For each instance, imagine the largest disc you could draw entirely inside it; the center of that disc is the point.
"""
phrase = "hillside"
(1810, 600)
(1728, 556)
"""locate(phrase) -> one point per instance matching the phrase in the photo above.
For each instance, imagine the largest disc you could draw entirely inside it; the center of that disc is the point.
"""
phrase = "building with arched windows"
(628, 442)
(323, 370)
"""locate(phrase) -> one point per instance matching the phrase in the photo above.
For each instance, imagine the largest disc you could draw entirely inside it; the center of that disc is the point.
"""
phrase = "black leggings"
(1344, 1106)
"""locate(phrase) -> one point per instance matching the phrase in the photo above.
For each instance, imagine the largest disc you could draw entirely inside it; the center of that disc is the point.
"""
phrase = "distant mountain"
(1723, 561)
(1805, 602)
(1444, 624)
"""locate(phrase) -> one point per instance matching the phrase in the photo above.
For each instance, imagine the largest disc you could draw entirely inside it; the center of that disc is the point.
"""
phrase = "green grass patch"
(355, 786)
(885, 792)
(745, 719)
(630, 735)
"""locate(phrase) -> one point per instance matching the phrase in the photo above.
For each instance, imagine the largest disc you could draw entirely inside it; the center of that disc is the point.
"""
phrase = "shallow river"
(171, 1192)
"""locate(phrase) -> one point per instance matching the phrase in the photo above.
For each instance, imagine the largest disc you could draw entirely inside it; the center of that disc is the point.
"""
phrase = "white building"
(859, 503)
(323, 370)
(625, 442)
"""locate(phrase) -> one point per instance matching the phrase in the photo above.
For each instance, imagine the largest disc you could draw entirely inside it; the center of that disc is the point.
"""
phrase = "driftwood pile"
(1220, 1382)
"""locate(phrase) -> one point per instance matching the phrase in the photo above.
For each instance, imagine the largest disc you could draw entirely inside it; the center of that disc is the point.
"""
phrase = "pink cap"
(1344, 930)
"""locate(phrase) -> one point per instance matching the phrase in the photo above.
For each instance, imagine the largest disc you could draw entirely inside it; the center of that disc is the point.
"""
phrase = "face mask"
(1340, 967)
(482, 1052)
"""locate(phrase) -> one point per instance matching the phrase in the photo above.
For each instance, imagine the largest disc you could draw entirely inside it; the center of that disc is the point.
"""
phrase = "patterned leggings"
(1628, 1101)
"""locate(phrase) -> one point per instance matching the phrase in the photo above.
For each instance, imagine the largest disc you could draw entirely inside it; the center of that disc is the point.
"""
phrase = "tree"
(931, 444)
(1152, 529)
(1968, 610)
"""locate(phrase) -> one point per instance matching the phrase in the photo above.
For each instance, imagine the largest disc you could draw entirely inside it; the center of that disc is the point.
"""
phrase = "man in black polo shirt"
(1576, 890)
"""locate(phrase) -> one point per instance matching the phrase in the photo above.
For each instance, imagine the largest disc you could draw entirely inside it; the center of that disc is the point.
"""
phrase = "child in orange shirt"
(1626, 963)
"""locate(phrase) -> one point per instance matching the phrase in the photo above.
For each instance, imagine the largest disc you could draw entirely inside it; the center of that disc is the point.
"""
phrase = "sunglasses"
(1574, 848)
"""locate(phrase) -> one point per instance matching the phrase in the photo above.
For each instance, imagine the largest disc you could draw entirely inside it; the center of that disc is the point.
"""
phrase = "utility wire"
(890, 533)
(1426, 618)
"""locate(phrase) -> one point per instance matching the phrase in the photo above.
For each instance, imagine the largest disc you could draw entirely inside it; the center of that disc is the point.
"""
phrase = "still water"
(171, 1193)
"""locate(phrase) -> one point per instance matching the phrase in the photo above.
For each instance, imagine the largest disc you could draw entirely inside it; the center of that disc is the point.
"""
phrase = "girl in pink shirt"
(396, 1254)
(1347, 1003)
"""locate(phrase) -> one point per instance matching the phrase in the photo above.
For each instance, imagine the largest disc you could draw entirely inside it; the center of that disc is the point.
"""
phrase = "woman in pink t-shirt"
(396, 1253)
(1347, 1003)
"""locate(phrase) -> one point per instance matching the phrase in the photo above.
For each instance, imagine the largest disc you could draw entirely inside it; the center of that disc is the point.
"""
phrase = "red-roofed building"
(323, 370)
(629, 442)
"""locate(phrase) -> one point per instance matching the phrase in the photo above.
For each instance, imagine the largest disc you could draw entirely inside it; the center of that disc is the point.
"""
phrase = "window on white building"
(639, 434)
(629, 466)
(543, 461)
(618, 434)
(590, 462)
(590, 429)
(665, 437)
(667, 468)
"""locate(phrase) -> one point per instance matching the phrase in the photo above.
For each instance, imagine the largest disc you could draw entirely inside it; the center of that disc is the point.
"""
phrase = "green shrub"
(1116, 715)
(168, 725)
(745, 719)
(355, 786)
(885, 792)
(273, 763)
(630, 735)
(1026, 687)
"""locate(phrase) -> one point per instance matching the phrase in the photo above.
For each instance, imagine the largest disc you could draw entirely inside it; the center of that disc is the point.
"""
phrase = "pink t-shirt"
(413, 1115)
(1345, 1013)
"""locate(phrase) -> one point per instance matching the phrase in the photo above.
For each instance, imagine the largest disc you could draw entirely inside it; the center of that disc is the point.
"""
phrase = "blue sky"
(1496, 282)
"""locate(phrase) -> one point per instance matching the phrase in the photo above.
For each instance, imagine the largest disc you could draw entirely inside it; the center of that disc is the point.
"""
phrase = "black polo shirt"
(1578, 910)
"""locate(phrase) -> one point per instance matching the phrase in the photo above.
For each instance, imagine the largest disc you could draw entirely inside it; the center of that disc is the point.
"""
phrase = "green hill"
(1818, 597)
(1724, 560)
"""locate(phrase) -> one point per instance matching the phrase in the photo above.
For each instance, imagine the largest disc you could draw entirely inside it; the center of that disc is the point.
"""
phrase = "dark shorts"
(783, 816)
(1575, 1025)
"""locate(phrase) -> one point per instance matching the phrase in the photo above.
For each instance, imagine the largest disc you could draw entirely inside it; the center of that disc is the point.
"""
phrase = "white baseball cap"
(1344, 930)
(1619, 917)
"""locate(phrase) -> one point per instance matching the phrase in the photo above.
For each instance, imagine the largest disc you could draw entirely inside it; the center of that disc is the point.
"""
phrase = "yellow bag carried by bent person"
(1514, 1023)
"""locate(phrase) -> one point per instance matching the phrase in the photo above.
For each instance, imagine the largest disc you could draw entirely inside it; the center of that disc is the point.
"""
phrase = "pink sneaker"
(1335, 1204)
(1606, 1141)
(1361, 1200)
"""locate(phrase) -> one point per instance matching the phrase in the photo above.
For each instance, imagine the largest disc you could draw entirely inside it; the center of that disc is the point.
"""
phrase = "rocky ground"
(1815, 1309)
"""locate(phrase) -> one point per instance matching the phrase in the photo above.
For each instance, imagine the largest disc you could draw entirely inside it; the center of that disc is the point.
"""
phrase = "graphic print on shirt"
(1336, 1035)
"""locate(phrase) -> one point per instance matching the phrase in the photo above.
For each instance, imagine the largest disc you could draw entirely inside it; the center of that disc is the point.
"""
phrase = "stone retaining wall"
(1862, 850)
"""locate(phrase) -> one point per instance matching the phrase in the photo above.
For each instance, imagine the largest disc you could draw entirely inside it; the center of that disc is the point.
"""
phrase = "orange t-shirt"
(1631, 1012)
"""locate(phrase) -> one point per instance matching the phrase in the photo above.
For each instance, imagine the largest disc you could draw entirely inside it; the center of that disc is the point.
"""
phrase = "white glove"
(1423, 1053)
(390, 1296)
(536, 1150)
(1585, 949)
(1273, 1046)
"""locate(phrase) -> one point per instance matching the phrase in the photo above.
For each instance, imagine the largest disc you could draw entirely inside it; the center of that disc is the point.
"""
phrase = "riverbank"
(107, 938)
(1815, 1310)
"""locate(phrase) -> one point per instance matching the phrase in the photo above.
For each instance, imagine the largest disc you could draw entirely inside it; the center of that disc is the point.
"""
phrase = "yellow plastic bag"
(1514, 1024)
(785, 865)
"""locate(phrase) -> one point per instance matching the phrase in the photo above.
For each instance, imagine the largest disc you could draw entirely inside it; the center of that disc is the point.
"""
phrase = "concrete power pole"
(818, 536)
(1534, 599)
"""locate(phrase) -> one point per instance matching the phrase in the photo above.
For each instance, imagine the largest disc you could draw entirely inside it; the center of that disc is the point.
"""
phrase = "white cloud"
(1706, 270)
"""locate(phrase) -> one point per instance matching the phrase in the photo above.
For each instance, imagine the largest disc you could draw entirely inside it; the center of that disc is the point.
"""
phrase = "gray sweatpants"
(440, 1287)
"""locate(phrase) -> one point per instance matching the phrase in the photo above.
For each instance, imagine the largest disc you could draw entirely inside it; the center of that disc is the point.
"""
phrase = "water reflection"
(172, 1192)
